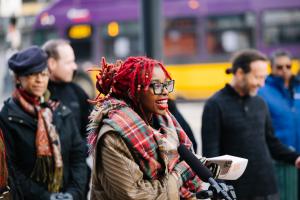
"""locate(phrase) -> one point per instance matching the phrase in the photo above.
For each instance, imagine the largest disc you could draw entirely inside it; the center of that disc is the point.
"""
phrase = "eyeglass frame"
(164, 85)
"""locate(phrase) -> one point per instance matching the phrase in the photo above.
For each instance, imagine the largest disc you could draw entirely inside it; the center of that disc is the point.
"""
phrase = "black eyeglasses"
(280, 67)
(158, 88)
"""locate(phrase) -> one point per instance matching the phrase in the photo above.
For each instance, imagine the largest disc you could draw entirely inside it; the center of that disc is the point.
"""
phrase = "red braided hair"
(126, 79)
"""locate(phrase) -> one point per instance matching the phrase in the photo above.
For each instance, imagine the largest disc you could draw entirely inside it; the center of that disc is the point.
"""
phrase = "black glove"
(61, 196)
(215, 169)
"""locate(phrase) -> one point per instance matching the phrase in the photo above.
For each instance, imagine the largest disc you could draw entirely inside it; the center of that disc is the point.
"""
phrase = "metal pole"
(152, 31)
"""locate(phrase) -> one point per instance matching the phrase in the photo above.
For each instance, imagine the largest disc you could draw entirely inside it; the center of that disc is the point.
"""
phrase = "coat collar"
(275, 81)
(16, 114)
(278, 82)
(228, 88)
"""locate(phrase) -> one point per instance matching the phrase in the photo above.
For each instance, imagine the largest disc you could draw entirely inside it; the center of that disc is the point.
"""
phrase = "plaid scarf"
(3, 164)
(49, 166)
(146, 143)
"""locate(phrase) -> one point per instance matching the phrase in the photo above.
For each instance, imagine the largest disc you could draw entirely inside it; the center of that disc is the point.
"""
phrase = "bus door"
(80, 36)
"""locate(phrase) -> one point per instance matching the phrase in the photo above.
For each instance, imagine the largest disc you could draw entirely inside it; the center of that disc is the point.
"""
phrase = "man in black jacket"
(237, 122)
(62, 66)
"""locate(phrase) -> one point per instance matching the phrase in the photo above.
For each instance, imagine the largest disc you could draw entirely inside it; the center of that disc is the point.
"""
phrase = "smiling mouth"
(162, 104)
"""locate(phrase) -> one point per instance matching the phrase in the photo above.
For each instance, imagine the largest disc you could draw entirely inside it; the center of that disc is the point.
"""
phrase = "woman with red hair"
(132, 158)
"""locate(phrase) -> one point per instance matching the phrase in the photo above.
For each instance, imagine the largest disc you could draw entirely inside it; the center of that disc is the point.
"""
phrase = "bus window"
(226, 34)
(80, 36)
(281, 26)
(120, 40)
(40, 36)
(180, 40)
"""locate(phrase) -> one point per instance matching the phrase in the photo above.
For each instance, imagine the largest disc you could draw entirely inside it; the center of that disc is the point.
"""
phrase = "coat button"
(9, 118)
(21, 121)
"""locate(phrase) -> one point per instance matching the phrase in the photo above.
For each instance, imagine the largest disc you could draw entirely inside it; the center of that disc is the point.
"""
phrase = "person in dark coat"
(62, 67)
(237, 122)
(45, 148)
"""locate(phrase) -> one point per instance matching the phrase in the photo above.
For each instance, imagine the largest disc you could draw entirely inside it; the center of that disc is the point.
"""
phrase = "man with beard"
(237, 122)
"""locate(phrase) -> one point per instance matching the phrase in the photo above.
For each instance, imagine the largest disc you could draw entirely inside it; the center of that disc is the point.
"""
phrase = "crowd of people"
(49, 126)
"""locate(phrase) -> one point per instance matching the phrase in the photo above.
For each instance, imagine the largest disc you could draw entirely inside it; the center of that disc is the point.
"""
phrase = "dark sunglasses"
(280, 67)
(158, 88)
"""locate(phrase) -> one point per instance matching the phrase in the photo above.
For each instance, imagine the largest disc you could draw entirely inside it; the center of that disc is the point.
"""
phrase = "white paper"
(231, 167)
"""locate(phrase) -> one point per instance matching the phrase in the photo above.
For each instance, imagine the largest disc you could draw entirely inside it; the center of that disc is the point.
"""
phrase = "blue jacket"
(284, 105)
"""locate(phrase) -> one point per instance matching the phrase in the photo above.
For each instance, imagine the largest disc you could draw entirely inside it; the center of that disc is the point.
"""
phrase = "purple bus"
(199, 35)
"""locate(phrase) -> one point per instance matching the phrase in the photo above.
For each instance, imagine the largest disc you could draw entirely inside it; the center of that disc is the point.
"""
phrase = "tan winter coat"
(116, 176)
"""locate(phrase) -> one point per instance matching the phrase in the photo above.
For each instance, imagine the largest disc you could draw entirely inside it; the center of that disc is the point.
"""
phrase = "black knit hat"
(28, 61)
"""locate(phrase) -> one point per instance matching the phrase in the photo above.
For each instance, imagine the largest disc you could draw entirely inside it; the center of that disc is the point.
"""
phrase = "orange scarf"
(49, 165)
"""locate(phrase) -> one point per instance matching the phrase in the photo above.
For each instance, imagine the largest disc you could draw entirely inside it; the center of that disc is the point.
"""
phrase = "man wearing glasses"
(282, 94)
